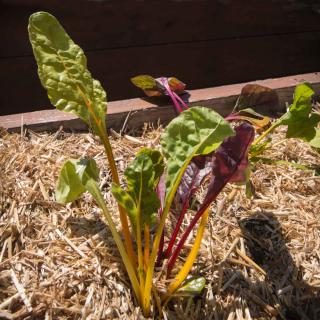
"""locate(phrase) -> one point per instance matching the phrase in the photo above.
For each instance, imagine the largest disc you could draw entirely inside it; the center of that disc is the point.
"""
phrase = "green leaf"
(142, 177)
(157, 162)
(125, 201)
(197, 131)
(299, 119)
(192, 287)
(73, 178)
(302, 105)
(62, 68)
(303, 128)
(315, 142)
(144, 82)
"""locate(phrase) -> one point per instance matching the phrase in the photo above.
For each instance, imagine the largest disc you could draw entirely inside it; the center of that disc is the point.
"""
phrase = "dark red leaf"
(262, 99)
(197, 170)
(229, 163)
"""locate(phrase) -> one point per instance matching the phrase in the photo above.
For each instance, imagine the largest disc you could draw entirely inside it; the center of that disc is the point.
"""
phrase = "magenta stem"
(185, 235)
(177, 228)
(181, 101)
(165, 83)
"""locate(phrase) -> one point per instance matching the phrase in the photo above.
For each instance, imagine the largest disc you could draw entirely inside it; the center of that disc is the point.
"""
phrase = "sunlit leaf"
(315, 142)
(197, 131)
(192, 287)
(140, 197)
(144, 82)
(300, 120)
(73, 178)
(62, 69)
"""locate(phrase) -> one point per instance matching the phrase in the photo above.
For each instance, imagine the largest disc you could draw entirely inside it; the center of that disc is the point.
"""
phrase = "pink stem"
(165, 83)
(177, 228)
(180, 100)
(185, 235)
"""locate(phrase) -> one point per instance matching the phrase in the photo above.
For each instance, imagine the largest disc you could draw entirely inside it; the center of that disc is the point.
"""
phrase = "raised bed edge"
(136, 112)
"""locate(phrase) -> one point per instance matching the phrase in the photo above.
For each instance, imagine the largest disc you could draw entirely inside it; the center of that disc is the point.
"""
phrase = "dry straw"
(260, 256)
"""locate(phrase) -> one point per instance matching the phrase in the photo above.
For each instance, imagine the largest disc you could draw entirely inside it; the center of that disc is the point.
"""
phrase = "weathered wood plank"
(98, 25)
(200, 65)
(222, 99)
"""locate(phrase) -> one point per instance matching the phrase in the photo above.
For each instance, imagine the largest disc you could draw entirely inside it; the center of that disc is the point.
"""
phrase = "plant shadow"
(165, 100)
(97, 230)
(266, 245)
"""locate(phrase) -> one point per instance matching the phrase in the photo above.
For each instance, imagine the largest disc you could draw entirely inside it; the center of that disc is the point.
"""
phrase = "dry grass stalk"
(260, 256)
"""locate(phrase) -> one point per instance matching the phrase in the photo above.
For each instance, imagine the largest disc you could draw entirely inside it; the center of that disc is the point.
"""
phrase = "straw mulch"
(260, 256)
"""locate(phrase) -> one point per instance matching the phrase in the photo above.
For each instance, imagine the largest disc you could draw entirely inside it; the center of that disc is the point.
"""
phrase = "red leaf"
(228, 165)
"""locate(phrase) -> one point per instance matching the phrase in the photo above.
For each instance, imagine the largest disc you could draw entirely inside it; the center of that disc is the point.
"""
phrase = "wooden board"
(204, 43)
(98, 25)
(136, 112)
(200, 65)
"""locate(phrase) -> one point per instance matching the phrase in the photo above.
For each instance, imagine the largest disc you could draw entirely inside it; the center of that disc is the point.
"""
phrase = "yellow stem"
(181, 276)
(146, 245)
(269, 130)
(122, 213)
(114, 173)
(155, 246)
(140, 253)
(148, 283)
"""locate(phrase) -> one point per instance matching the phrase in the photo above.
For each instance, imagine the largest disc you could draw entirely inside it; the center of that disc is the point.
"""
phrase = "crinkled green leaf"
(62, 68)
(126, 202)
(197, 131)
(142, 177)
(73, 178)
(157, 162)
(192, 287)
(300, 120)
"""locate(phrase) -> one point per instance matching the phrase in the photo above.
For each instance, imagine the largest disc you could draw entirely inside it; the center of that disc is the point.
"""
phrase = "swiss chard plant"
(198, 148)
